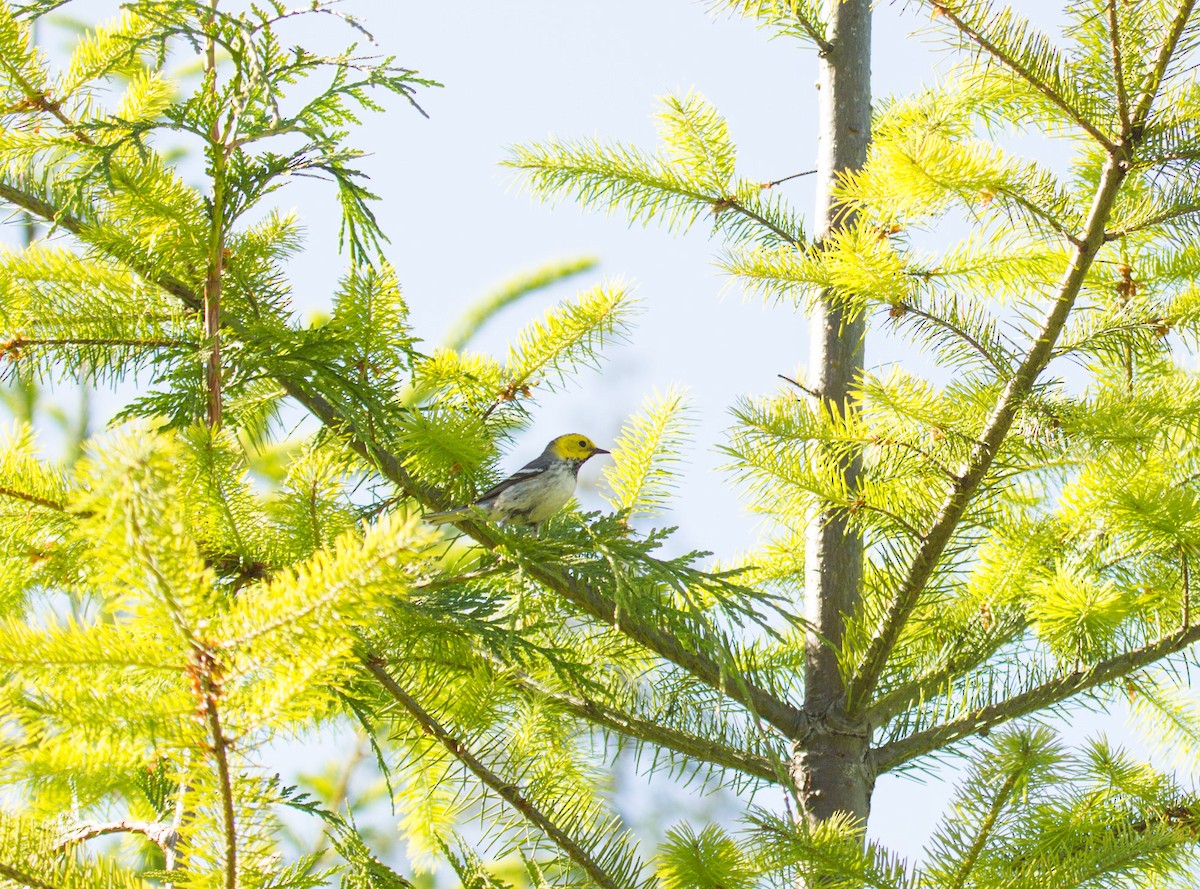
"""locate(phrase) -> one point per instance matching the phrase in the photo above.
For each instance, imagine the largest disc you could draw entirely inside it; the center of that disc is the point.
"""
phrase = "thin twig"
(811, 393)
(506, 790)
(775, 182)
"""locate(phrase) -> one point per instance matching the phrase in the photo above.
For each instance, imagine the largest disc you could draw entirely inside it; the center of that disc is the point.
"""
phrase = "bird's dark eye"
(582, 442)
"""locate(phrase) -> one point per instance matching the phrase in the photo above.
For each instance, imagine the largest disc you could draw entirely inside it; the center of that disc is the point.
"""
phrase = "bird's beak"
(600, 451)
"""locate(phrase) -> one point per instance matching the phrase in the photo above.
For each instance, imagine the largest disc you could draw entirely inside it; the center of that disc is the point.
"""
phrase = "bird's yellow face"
(575, 447)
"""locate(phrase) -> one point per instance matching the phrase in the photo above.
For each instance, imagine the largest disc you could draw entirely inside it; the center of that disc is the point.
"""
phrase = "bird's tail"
(450, 515)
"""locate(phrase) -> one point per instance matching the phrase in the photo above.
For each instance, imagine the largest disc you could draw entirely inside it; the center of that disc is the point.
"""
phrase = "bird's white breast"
(535, 501)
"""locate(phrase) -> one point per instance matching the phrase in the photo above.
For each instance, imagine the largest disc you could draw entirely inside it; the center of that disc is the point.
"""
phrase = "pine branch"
(692, 746)
(1019, 385)
(803, 14)
(1173, 214)
(16, 344)
(782, 715)
(1114, 38)
(1142, 112)
(662, 185)
(508, 792)
(814, 34)
(32, 498)
(724, 204)
(942, 8)
(1001, 370)
(45, 210)
(898, 699)
(999, 801)
(1043, 696)
(219, 158)
(37, 99)
(314, 402)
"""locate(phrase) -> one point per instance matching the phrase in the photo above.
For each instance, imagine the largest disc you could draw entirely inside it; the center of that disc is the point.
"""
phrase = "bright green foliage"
(1097, 817)
(689, 178)
(553, 348)
(709, 859)
(31, 858)
(645, 454)
(833, 850)
(200, 590)
(796, 18)
(1029, 511)
(193, 594)
(509, 292)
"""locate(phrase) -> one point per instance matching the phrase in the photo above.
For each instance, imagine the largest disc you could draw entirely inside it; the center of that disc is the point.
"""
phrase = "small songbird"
(534, 492)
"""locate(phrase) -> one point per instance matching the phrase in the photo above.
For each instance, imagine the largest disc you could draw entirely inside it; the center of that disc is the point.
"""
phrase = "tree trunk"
(830, 765)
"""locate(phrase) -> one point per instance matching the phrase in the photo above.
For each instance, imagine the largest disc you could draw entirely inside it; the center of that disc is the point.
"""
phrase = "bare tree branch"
(161, 833)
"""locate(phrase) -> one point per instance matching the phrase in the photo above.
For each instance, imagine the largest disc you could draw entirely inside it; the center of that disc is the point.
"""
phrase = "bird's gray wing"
(530, 470)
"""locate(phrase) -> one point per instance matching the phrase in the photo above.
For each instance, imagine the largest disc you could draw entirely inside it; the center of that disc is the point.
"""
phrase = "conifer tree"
(1008, 541)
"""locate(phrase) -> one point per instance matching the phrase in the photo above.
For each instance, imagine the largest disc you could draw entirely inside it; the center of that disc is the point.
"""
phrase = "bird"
(534, 492)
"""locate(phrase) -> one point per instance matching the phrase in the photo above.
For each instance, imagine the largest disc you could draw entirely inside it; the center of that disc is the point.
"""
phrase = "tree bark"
(830, 764)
